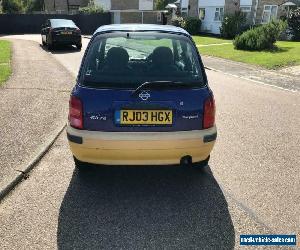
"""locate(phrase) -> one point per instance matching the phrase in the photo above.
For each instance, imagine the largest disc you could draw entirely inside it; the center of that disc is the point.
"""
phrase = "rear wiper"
(160, 85)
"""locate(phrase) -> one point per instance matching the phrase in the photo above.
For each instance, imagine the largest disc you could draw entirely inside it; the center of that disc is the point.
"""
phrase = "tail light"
(209, 113)
(77, 30)
(75, 113)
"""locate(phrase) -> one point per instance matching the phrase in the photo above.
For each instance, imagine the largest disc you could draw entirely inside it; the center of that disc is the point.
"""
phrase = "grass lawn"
(287, 54)
(205, 40)
(5, 56)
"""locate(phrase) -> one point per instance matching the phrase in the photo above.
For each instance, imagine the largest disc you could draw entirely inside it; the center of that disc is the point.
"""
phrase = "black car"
(61, 32)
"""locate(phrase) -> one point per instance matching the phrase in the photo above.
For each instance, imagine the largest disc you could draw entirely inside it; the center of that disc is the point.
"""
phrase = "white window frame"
(269, 13)
(184, 11)
(202, 17)
(220, 14)
(246, 10)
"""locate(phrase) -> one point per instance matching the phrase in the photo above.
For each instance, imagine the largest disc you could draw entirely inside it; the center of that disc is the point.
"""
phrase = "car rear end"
(65, 32)
(141, 99)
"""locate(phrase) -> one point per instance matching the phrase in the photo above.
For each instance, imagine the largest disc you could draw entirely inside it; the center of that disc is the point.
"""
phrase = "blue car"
(141, 98)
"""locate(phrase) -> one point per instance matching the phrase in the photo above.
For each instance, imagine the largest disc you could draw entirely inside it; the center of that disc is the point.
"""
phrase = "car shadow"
(62, 49)
(144, 207)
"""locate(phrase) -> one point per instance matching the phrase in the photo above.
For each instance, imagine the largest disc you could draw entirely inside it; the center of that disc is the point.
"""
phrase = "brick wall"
(136, 17)
(124, 4)
(52, 5)
(131, 17)
(151, 17)
(62, 4)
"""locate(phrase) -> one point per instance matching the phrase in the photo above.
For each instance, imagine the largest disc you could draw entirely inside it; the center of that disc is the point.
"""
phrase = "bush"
(294, 24)
(233, 24)
(190, 24)
(12, 6)
(177, 21)
(261, 37)
(91, 8)
(161, 4)
(34, 5)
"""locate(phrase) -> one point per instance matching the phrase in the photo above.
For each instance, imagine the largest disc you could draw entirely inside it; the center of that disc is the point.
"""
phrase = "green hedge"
(190, 24)
(260, 38)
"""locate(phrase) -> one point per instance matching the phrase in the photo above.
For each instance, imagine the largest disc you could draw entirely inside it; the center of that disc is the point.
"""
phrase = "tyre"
(49, 46)
(201, 164)
(79, 46)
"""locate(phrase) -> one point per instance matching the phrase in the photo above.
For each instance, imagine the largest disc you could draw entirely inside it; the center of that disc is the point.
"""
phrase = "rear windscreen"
(56, 23)
(128, 59)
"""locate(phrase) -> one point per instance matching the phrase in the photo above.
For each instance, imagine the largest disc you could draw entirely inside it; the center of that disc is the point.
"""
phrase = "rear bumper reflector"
(210, 138)
(75, 139)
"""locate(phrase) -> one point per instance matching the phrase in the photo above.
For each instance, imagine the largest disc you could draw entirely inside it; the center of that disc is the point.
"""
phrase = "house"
(211, 12)
(63, 6)
(132, 11)
(123, 11)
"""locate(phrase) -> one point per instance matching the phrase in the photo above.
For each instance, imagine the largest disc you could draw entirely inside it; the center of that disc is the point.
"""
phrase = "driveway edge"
(251, 80)
(23, 173)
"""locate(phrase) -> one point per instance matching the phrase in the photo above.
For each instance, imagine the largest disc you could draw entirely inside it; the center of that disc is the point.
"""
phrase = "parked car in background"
(61, 32)
(141, 98)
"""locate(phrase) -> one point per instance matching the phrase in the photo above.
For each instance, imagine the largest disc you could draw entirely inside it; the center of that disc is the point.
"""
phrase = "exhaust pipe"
(186, 160)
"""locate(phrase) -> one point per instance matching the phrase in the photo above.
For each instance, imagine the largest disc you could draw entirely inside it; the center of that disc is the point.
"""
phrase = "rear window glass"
(128, 59)
(62, 23)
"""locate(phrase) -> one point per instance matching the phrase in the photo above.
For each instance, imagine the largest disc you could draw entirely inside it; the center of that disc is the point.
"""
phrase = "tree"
(91, 8)
(233, 24)
(35, 5)
(12, 6)
(294, 23)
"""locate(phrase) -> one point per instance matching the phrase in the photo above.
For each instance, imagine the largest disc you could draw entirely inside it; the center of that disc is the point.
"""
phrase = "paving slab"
(33, 106)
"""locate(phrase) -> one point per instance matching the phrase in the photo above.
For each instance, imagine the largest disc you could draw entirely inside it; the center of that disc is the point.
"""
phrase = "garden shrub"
(12, 6)
(261, 37)
(233, 24)
(91, 8)
(190, 24)
(177, 21)
(294, 23)
(34, 5)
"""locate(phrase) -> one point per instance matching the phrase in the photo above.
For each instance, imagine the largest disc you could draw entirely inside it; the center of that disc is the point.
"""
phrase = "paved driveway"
(33, 107)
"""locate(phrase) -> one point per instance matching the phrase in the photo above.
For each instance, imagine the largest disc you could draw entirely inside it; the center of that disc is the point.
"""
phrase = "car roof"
(141, 27)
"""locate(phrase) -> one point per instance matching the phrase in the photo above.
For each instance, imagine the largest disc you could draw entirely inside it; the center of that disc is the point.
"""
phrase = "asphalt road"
(251, 186)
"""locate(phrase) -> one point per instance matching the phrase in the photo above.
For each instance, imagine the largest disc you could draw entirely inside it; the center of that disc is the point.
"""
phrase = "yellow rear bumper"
(141, 148)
